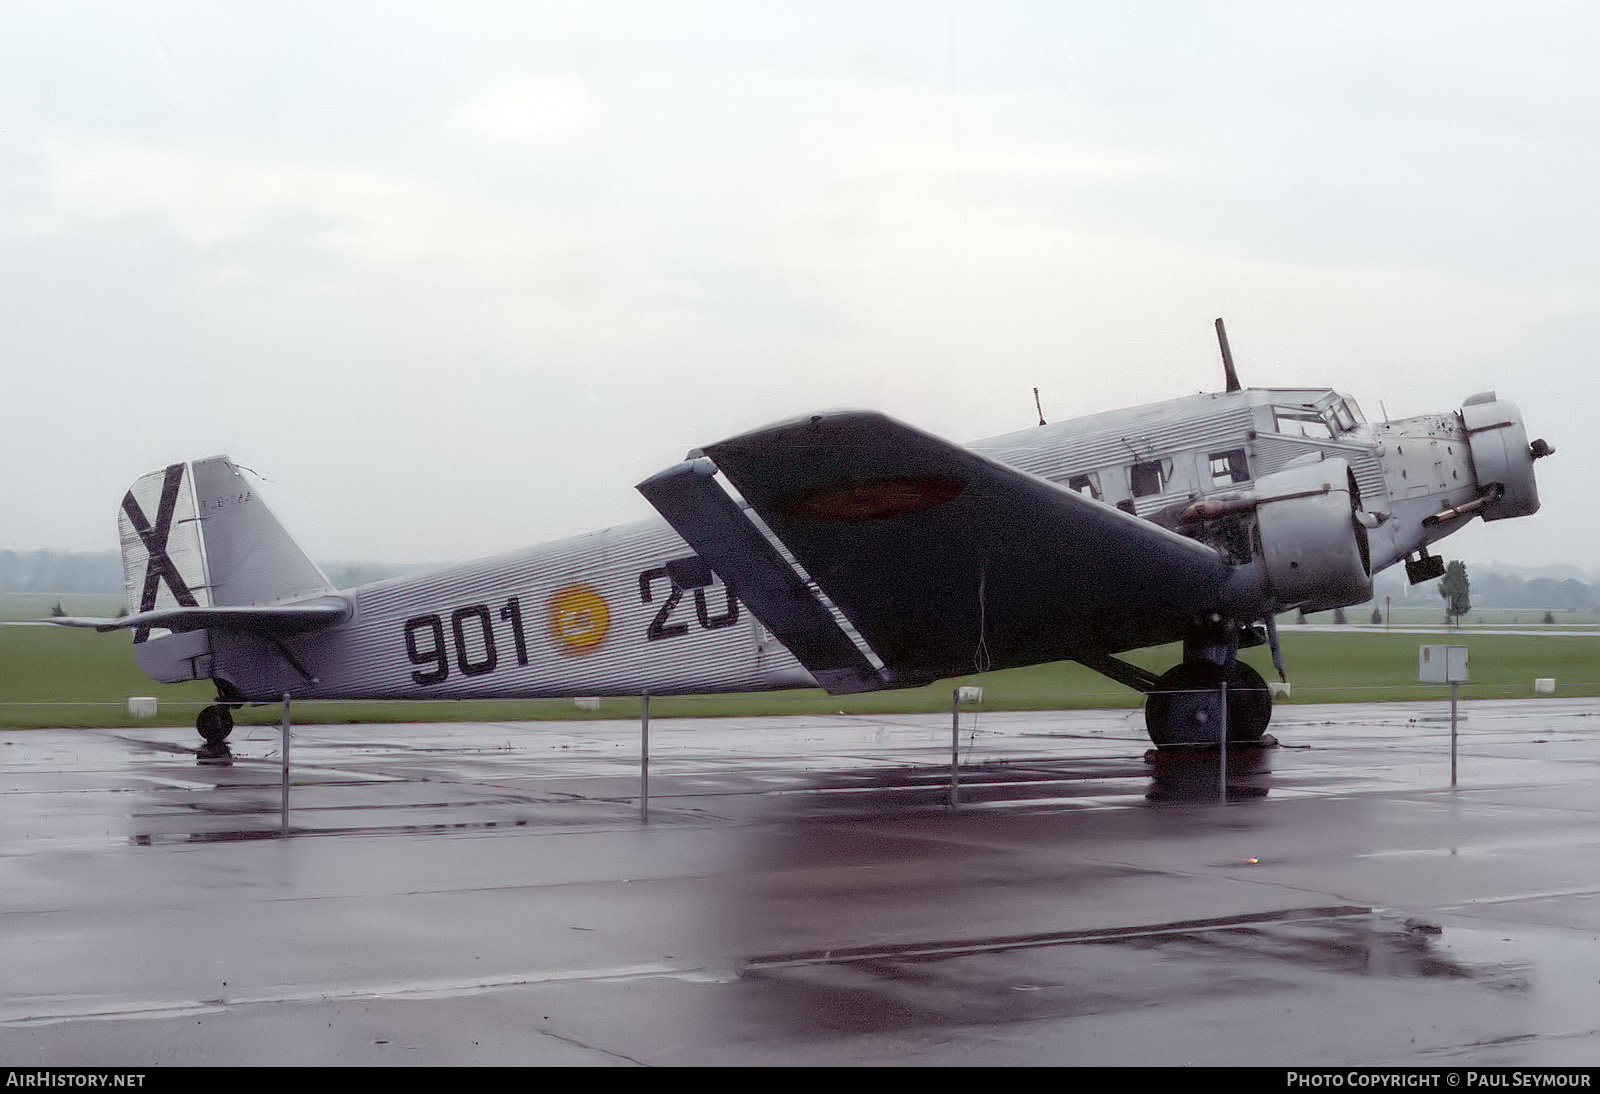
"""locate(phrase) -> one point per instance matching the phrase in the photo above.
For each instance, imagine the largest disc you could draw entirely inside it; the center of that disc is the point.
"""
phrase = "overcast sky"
(454, 277)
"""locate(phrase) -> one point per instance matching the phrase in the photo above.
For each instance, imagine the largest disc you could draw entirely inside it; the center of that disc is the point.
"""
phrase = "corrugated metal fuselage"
(590, 615)
(609, 613)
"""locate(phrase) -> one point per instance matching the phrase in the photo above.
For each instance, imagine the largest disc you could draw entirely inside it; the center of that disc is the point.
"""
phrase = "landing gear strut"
(1185, 708)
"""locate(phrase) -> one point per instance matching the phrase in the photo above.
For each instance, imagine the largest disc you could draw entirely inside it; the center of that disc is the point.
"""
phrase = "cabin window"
(1229, 467)
(1148, 478)
(1088, 485)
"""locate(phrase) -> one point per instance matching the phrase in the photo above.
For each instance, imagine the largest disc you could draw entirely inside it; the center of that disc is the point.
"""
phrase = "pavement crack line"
(593, 1048)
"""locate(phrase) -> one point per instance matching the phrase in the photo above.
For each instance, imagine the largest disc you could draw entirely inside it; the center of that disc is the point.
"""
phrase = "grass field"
(53, 676)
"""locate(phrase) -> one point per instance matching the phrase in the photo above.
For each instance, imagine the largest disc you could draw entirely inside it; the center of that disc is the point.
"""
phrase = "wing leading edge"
(944, 561)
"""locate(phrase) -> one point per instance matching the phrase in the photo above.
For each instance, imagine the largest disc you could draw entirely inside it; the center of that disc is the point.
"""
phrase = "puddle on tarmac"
(1003, 981)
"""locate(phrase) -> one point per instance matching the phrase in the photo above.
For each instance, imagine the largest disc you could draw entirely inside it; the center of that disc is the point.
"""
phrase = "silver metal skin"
(858, 554)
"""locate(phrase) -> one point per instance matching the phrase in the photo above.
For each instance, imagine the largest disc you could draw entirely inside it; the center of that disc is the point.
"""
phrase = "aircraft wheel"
(1186, 707)
(1249, 704)
(214, 724)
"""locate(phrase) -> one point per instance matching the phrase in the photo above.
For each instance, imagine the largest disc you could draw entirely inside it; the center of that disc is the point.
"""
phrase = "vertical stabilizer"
(250, 557)
(198, 535)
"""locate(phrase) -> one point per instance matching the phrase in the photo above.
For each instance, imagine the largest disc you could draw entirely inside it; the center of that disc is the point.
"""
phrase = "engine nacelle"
(1312, 542)
(1501, 456)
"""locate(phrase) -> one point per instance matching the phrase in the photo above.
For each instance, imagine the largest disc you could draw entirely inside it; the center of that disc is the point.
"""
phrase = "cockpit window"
(1302, 421)
(1346, 415)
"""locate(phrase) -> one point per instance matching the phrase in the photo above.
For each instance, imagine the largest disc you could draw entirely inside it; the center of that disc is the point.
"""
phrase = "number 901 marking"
(472, 634)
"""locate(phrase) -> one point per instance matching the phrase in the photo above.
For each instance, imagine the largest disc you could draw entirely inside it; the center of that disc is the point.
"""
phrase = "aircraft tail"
(197, 535)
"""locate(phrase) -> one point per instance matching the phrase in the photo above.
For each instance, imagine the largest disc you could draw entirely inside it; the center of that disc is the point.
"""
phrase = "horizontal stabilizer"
(272, 620)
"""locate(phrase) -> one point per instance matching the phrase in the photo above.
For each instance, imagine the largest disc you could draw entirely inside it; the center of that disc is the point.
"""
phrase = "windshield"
(1302, 421)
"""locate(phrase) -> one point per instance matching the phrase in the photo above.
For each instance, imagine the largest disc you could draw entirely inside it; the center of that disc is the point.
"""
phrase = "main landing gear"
(1185, 706)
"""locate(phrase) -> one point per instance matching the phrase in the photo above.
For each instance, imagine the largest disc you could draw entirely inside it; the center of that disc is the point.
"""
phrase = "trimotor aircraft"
(858, 553)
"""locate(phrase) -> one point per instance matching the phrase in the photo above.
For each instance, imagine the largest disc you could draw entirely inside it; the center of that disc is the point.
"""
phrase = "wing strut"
(1128, 675)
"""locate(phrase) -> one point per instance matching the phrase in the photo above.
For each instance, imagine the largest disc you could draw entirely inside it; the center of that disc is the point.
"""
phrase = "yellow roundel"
(578, 619)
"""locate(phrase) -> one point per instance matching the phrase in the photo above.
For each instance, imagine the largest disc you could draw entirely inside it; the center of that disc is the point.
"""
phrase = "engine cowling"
(1313, 546)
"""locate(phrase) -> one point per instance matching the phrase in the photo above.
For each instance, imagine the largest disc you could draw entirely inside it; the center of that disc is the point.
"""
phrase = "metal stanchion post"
(1222, 749)
(644, 759)
(1453, 686)
(955, 744)
(283, 819)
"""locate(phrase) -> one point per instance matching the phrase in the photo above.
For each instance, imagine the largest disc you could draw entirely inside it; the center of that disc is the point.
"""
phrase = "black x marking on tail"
(159, 567)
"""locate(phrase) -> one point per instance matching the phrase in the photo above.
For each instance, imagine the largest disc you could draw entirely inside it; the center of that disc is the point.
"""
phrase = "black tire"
(1249, 704)
(1186, 707)
(214, 724)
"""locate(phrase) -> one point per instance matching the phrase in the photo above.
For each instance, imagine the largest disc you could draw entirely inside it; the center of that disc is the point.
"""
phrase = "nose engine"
(1502, 457)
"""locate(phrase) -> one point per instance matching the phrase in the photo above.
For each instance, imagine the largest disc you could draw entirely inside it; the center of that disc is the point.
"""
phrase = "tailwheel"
(214, 723)
(1186, 706)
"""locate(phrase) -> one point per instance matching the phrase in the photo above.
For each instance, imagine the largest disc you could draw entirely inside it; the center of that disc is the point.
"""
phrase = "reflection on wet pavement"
(871, 989)
(805, 893)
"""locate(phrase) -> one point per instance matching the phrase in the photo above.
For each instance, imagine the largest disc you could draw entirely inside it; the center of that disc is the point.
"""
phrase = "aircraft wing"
(944, 561)
(258, 619)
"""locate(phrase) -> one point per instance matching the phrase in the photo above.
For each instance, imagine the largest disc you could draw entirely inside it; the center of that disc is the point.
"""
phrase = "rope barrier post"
(955, 746)
(1453, 686)
(971, 695)
(1222, 749)
(644, 759)
(283, 819)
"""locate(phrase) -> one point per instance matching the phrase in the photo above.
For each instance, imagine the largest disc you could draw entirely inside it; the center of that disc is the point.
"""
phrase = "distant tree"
(1578, 595)
(1338, 616)
(57, 611)
(1549, 617)
(1456, 591)
(1301, 618)
(1377, 617)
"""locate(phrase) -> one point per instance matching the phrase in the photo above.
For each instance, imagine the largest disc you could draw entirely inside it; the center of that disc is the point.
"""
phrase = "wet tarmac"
(803, 894)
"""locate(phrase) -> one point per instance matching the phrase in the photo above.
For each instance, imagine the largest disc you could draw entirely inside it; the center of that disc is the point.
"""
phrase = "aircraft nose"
(1502, 455)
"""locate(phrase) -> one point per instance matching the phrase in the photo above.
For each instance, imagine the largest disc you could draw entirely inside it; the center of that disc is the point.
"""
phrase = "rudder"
(197, 534)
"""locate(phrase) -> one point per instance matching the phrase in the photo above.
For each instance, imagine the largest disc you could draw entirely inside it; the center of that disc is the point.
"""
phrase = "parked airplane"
(858, 554)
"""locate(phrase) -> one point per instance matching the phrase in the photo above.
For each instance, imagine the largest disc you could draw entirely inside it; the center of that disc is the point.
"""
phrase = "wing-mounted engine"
(1302, 525)
(1313, 542)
